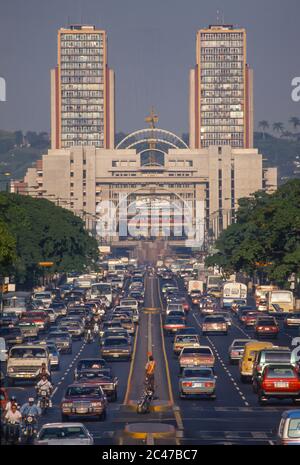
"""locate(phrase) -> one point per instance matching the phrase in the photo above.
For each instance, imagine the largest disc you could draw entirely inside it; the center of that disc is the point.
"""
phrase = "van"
(247, 361)
(277, 355)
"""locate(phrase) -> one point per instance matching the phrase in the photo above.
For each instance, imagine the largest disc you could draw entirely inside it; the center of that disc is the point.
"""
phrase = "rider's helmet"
(13, 399)
(31, 400)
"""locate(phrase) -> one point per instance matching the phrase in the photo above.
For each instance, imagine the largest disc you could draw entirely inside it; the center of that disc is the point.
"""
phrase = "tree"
(7, 249)
(278, 127)
(45, 232)
(267, 231)
(264, 125)
(19, 138)
(295, 122)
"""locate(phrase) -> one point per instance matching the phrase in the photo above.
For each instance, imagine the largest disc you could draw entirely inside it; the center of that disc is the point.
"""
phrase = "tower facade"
(221, 89)
(82, 90)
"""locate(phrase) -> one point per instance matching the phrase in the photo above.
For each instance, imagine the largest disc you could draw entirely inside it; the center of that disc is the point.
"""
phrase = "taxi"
(182, 341)
(246, 363)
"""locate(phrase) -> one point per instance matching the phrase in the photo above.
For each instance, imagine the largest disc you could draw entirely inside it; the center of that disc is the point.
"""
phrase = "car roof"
(295, 413)
(62, 425)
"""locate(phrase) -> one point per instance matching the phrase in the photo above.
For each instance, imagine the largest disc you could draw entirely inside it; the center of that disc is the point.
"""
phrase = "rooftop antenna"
(218, 16)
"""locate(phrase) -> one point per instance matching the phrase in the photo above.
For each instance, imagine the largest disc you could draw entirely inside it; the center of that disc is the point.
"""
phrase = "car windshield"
(265, 322)
(214, 320)
(186, 339)
(188, 350)
(197, 373)
(28, 352)
(174, 321)
(280, 372)
(114, 341)
(278, 357)
(88, 375)
(66, 432)
(294, 428)
(78, 391)
(91, 364)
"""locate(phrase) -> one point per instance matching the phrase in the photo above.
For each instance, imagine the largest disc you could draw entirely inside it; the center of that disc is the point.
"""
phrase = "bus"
(102, 290)
(233, 291)
(280, 300)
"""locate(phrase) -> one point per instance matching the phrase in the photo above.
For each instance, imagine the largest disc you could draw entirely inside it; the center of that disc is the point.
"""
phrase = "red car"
(173, 324)
(279, 381)
(3, 399)
(250, 318)
(102, 378)
(266, 327)
(41, 319)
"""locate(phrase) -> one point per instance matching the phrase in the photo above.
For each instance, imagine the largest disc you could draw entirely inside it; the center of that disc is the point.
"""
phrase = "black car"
(91, 364)
(12, 336)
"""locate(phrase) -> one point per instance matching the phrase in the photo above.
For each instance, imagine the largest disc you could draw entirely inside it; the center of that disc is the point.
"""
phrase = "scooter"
(88, 336)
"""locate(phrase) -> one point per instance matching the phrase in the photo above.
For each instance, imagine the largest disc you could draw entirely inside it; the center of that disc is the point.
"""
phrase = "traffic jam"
(67, 349)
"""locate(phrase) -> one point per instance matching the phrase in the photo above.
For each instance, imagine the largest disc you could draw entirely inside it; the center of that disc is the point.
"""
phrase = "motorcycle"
(144, 403)
(29, 429)
(12, 433)
(43, 400)
(88, 336)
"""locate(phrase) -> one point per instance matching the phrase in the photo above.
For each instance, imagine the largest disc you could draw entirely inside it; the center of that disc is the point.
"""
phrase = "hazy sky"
(151, 47)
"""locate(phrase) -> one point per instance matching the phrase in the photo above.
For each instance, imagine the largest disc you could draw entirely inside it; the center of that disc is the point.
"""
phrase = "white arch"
(152, 134)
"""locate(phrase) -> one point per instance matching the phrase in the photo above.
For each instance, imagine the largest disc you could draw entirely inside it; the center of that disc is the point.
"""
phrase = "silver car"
(197, 381)
(72, 434)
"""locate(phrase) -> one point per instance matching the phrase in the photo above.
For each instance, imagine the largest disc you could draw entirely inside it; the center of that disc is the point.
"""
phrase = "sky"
(151, 47)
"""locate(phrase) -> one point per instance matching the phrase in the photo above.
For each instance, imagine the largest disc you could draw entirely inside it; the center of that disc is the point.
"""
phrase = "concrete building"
(151, 167)
(221, 90)
(82, 90)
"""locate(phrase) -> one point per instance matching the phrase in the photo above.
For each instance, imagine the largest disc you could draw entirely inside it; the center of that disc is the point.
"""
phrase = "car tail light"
(187, 384)
(96, 404)
(186, 307)
(209, 384)
(258, 368)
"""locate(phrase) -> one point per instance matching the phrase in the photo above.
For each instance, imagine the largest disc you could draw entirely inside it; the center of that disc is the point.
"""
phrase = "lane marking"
(131, 366)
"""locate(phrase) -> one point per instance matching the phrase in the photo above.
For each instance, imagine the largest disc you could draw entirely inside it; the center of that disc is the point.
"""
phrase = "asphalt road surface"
(234, 417)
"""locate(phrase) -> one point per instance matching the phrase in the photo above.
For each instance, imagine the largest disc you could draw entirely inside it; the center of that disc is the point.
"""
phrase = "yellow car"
(247, 361)
(182, 341)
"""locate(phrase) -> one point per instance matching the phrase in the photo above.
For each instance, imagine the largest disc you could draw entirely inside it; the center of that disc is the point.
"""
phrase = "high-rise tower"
(82, 90)
(221, 90)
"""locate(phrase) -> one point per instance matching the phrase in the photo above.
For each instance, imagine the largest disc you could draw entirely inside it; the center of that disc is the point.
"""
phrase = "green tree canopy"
(267, 231)
(45, 232)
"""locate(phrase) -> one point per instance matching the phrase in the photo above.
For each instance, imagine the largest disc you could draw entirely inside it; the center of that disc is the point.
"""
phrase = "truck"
(24, 362)
(280, 301)
(233, 291)
(195, 285)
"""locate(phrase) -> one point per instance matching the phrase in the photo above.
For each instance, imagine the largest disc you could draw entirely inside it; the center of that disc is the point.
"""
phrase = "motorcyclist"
(150, 370)
(13, 417)
(10, 403)
(89, 326)
(43, 371)
(30, 409)
(44, 385)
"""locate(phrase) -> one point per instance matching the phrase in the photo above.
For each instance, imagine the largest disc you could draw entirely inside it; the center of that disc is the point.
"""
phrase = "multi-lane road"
(234, 417)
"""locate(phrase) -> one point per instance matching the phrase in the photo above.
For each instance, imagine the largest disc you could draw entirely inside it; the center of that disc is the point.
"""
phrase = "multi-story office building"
(221, 90)
(82, 90)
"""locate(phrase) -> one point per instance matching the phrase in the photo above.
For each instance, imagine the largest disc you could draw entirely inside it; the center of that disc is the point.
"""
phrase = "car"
(59, 307)
(266, 327)
(12, 336)
(126, 323)
(8, 319)
(292, 320)
(75, 434)
(199, 356)
(54, 355)
(214, 324)
(28, 328)
(62, 340)
(226, 317)
(264, 357)
(177, 313)
(279, 381)
(108, 325)
(250, 318)
(74, 328)
(174, 307)
(3, 399)
(91, 364)
(207, 309)
(197, 381)
(289, 428)
(40, 318)
(243, 314)
(173, 324)
(83, 399)
(116, 347)
(188, 331)
(184, 341)
(236, 350)
(246, 362)
(103, 378)
(195, 297)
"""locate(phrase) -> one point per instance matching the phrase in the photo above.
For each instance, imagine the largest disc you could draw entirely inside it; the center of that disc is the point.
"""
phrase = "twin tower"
(220, 95)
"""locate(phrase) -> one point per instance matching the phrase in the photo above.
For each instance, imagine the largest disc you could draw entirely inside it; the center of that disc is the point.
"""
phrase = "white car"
(72, 434)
